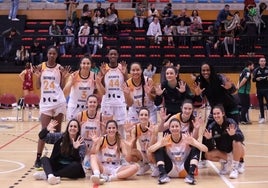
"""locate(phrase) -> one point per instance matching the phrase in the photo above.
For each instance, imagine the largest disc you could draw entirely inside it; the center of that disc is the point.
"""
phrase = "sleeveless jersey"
(143, 137)
(89, 124)
(81, 89)
(113, 81)
(177, 152)
(28, 80)
(109, 153)
(51, 92)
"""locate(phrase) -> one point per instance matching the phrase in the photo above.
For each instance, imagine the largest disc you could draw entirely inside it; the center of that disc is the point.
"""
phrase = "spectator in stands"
(183, 16)
(83, 35)
(149, 71)
(69, 25)
(196, 30)
(154, 31)
(139, 16)
(98, 20)
(54, 32)
(222, 16)
(248, 4)
(27, 78)
(210, 41)
(167, 14)
(8, 40)
(67, 45)
(114, 10)
(152, 12)
(86, 15)
(168, 31)
(100, 9)
(243, 87)
(14, 6)
(36, 53)
(182, 31)
(71, 6)
(260, 76)
(22, 56)
(111, 22)
(195, 15)
(249, 37)
(96, 41)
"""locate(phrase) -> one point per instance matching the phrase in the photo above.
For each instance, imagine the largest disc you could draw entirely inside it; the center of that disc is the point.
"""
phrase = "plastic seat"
(31, 101)
(8, 101)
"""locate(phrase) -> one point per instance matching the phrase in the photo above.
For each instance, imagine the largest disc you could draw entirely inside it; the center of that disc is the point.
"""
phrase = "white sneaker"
(233, 174)
(155, 171)
(202, 164)
(15, 19)
(143, 169)
(40, 175)
(241, 168)
(261, 121)
(224, 168)
(53, 180)
(96, 180)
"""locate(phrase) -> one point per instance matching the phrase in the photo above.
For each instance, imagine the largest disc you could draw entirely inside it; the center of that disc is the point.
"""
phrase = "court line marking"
(19, 136)
(21, 166)
(250, 182)
(224, 179)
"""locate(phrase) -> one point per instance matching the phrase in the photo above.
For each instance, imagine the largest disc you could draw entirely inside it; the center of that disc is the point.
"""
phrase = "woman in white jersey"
(113, 102)
(177, 154)
(90, 121)
(137, 91)
(144, 133)
(108, 149)
(80, 85)
(51, 79)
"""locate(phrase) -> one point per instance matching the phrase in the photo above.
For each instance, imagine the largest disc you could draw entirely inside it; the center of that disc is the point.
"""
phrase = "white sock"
(96, 172)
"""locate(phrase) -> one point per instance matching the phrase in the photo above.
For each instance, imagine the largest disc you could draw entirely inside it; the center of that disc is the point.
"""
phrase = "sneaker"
(143, 169)
(241, 168)
(202, 164)
(104, 178)
(38, 164)
(53, 180)
(224, 168)
(15, 19)
(261, 121)
(96, 180)
(189, 179)
(155, 171)
(40, 176)
(233, 174)
(163, 179)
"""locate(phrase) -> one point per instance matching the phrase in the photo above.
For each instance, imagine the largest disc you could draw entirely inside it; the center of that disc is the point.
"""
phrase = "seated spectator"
(22, 56)
(195, 15)
(211, 41)
(167, 14)
(100, 9)
(96, 41)
(67, 45)
(149, 71)
(55, 32)
(114, 10)
(152, 12)
(168, 31)
(86, 15)
(69, 25)
(36, 53)
(98, 20)
(139, 16)
(221, 18)
(184, 17)
(111, 22)
(182, 31)
(154, 31)
(83, 35)
(195, 31)
(229, 40)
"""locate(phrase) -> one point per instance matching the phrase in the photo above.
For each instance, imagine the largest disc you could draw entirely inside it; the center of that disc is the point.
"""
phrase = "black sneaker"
(38, 164)
(163, 179)
(189, 179)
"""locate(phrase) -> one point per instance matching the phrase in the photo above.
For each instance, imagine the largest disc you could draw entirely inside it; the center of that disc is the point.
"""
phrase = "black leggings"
(73, 170)
(161, 155)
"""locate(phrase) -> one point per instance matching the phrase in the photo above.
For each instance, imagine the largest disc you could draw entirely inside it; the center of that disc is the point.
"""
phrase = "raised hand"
(165, 139)
(51, 126)
(163, 114)
(125, 88)
(103, 68)
(93, 135)
(188, 138)
(37, 71)
(128, 126)
(182, 87)
(231, 129)
(158, 90)
(207, 134)
(66, 71)
(197, 89)
(78, 142)
(198, 122)
(124, 67)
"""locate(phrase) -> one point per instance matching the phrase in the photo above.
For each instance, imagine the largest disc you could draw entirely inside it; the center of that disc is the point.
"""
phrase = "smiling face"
(187, 109)
(92, 103)
(111, 128)
(113, 56)
(144, 116)
(218, 115)
(205, 71)
(73, 128)
(171, 74)
(85, 64)
(135, 71)
(174, 127)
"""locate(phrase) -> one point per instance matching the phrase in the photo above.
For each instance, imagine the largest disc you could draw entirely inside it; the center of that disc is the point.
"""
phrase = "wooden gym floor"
(18, 141)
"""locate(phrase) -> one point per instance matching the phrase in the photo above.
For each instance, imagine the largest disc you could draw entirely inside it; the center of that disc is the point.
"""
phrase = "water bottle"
(30, 116)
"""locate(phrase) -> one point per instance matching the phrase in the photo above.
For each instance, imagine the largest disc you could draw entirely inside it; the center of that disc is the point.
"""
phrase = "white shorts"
(72, 112)
(111, 169)
(61, 109)
(119, 113)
